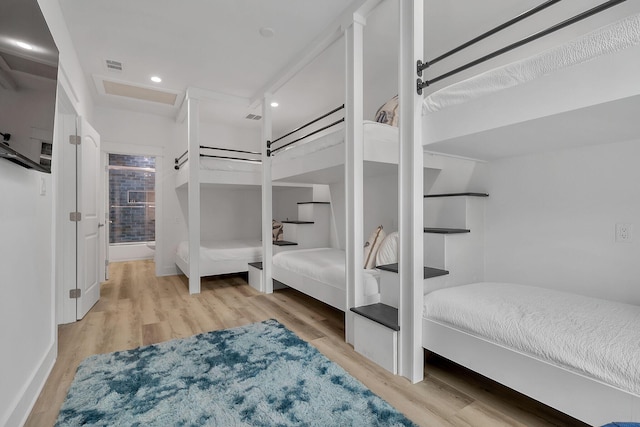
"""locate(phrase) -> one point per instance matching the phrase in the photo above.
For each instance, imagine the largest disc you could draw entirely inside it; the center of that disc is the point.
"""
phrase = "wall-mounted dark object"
(12, 155)
(28, 84)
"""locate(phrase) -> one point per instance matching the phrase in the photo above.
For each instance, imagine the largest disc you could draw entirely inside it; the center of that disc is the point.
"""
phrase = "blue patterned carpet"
(256, 375)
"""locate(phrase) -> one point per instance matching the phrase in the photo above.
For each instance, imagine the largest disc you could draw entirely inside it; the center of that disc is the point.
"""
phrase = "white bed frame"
(322, 291)
(214, 268)
(582, 397)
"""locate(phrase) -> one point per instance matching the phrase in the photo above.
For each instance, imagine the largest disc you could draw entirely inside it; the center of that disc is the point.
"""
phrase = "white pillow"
(388, 251)
(371, 247)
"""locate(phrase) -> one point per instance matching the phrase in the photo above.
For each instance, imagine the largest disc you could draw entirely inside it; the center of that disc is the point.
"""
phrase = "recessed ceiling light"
(24, 45)
(267, 32)
(274, 104)
(156, 79)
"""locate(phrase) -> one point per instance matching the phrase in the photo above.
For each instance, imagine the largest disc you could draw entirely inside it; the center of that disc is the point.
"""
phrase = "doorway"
(132, 206)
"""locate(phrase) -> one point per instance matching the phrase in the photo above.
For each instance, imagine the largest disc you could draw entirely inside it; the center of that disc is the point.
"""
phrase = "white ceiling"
(213, 45)
(216, 45)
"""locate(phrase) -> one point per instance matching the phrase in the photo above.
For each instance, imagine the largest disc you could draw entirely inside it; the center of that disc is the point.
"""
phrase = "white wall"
(285, 201)
(550, 220)
(27, 265)
(380, 207)
(229, 213)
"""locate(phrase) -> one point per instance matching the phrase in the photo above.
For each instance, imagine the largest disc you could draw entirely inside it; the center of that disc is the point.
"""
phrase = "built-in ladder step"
(429, 272)
(297, 222)
(380, 313)
(438, 230)
(314, 203)
(257, 265)
(284, 243)
(457, 194)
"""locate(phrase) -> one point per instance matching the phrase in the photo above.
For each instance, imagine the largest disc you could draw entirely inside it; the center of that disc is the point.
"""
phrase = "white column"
(353, 170)
(410, 188)
(193, 139)
(267, 200)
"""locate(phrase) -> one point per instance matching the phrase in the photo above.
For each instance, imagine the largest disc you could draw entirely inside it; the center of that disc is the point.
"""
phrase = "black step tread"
(284, 243)
(439, 230)
(297, 222)
(314, 203)
(379, 313)
(458, 194)
(257, 265)
(429, 272)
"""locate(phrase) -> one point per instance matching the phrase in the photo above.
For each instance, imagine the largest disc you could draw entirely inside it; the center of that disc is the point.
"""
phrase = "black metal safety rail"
(179, 162)
(271, 152)
(420, 84)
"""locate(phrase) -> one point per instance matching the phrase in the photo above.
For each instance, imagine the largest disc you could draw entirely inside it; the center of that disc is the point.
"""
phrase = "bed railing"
(271, 151)
(421, 66)
(251, 155)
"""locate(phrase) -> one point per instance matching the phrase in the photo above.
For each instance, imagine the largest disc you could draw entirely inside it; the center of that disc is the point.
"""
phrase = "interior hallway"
(137, 308)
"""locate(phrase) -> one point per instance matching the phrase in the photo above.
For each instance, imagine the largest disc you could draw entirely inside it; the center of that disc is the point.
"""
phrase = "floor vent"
(253, 117)
(113, 65)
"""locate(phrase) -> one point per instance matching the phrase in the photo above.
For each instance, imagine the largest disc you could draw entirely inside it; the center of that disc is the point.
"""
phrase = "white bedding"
(611, 38)
(325, 265)
(229, 250)
(598, 338)
(209, 163)
(373, 132)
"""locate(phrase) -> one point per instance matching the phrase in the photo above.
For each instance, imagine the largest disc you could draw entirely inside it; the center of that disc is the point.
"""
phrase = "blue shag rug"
(255, 375)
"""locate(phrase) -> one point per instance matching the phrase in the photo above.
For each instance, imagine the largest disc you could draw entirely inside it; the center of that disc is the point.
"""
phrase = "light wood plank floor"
(136, 308)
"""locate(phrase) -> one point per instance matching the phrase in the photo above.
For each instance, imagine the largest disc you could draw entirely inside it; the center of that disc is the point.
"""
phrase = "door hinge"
(75, 139)
(75, 293)
(75, 216)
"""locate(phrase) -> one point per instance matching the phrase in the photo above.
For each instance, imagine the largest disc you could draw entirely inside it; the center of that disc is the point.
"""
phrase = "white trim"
(410, 194)
(354, 171)
(266, 284)
(29, 393)
(132, 149)
(193, 190)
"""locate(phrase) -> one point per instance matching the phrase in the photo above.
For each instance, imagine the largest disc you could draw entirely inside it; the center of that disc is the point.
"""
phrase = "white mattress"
(209, 163)
(325, 265)
(594, 337)
(214, 250)
(611, 38)
(373, 132)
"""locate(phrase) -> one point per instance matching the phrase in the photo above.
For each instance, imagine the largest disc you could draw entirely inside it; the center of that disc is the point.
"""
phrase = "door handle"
(100, 225)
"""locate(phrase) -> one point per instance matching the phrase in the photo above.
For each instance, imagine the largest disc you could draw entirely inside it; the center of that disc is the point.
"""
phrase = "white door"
(88, 233)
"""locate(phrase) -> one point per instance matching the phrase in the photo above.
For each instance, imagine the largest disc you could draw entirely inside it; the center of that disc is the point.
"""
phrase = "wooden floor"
(136, 308)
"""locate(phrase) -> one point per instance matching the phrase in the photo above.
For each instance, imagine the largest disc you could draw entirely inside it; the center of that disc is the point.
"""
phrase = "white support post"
(193, 138)
(353, 168)
(267, 199)
(410, 188)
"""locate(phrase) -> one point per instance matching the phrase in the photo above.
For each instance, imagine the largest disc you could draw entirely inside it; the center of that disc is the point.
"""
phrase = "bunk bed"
(576, 354)
(221, 257)
(220, 165)
(579, 93)
(318, 155)
(320, 273)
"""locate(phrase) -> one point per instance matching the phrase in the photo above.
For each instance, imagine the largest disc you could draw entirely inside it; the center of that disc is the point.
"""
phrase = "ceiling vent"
(114, 65)
(253, 117)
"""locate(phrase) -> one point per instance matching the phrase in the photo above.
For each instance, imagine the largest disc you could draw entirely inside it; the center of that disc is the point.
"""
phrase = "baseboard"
(168, 271)
(28, 395)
